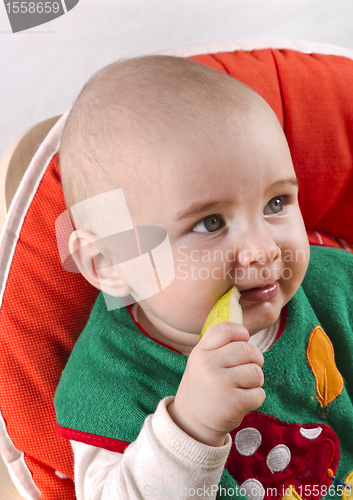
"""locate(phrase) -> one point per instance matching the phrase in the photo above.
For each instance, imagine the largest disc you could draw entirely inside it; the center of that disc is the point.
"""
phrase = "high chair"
(44, 308)
(13, 166)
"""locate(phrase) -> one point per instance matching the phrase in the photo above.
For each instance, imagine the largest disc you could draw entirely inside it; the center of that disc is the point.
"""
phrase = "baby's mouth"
(260, 294)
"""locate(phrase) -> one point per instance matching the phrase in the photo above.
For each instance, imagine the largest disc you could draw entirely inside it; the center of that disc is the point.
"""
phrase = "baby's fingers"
(240, 353)
(222, 334)
(246, 400)
(246, 376)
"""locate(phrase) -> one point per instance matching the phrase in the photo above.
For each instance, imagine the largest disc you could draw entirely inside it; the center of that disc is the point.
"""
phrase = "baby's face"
(229, 204)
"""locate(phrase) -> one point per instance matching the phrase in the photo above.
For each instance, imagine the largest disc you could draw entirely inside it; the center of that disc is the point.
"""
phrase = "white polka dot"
(310, 433)
(247, 441)
(278, 458)
(253, 489)
(60, 474)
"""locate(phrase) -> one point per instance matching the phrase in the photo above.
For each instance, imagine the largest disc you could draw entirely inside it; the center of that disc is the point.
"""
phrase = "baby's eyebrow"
(293, 181)
(196, 209)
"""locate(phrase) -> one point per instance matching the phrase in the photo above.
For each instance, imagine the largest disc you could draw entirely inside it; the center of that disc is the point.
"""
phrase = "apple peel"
(227, 309)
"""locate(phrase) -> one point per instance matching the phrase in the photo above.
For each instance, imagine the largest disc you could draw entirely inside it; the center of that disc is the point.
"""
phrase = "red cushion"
(45, 308)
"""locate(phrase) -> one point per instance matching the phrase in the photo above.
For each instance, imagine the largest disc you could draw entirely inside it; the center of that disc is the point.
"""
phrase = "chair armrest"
(16, 159)
(8, 489)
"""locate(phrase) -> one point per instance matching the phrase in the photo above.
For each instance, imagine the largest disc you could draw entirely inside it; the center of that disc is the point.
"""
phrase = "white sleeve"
(163, 461)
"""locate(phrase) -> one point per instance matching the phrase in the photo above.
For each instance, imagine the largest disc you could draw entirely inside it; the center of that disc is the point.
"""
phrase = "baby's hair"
(129, 104)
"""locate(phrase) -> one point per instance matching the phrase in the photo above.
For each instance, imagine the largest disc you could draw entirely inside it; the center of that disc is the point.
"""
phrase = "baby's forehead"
(129, 106)
(165, 149)
(162, 85)
(143, 126)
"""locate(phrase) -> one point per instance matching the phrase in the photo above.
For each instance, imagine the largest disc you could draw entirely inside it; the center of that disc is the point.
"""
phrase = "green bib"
(116, 376)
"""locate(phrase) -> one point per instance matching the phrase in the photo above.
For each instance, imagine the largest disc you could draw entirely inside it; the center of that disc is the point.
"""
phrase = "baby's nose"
(262, 253)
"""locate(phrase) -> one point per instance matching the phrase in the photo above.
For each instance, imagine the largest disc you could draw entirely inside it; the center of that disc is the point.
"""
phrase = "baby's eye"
(274, 206)
(208, 224)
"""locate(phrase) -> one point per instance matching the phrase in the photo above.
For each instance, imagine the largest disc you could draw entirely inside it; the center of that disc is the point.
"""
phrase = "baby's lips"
(260, 294)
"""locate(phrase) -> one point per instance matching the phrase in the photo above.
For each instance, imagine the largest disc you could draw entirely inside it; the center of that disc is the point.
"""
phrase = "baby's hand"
(221, 384)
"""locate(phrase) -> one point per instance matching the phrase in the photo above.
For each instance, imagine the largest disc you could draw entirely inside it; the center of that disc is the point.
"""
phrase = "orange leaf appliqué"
(321, 358)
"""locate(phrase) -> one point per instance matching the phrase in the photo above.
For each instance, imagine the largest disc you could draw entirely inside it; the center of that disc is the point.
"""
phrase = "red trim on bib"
(282, 322)
(109, 444)
(129, 307)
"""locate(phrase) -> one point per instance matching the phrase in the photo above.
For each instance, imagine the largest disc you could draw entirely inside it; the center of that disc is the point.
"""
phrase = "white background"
(43, 69)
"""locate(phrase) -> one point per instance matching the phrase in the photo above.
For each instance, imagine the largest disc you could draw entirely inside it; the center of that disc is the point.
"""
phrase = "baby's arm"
(162, 459)
(184, 445)
(221, 384)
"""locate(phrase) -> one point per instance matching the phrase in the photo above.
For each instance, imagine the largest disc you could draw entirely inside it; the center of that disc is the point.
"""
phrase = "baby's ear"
(94, 262)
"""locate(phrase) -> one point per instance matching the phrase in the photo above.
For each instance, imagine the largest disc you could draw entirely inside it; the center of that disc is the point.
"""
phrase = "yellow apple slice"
(227, 309)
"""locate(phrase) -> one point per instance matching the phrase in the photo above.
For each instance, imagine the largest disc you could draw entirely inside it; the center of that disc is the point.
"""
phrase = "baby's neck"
(181, 341)
(184, 342)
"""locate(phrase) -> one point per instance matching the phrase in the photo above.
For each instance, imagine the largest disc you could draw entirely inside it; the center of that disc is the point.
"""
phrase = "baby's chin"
(259, 328)
(255, 321)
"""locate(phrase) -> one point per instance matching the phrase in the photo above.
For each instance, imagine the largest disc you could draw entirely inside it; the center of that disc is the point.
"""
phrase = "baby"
(202, 156)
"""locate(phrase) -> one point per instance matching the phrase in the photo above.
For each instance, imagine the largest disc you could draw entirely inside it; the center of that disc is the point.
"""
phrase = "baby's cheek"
(292, 277)
(302, 261)
(296, 256)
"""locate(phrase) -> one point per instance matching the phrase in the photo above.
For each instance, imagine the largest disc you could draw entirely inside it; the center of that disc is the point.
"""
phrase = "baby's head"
(203, 156)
